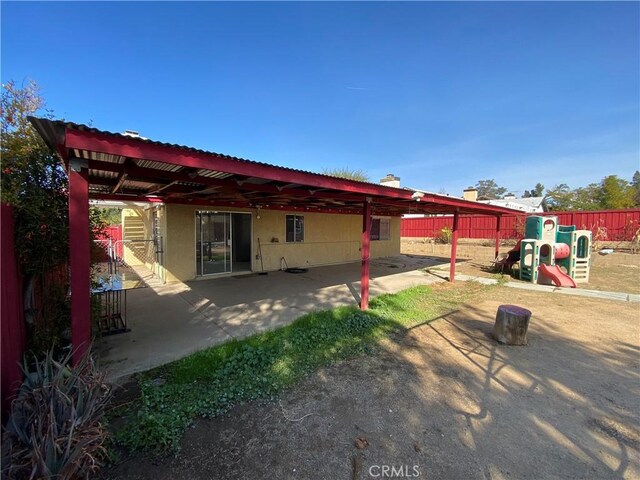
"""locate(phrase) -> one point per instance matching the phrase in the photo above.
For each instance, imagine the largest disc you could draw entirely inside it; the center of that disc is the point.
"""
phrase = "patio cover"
(125, 167)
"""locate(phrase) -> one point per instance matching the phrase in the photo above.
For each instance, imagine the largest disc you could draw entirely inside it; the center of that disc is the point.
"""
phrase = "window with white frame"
(295, 228)
(380, 229)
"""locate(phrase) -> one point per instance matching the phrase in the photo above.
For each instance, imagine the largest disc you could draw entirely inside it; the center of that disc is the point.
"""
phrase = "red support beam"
(365, 253)
(498, 220)
(79, 262)
(133, 148)
(153, 175)
(437, 204)
(403, 201)
(347, 210)
(454, 248)
(121, 179)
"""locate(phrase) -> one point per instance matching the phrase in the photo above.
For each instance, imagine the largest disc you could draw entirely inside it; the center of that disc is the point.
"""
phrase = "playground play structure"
(551, 253)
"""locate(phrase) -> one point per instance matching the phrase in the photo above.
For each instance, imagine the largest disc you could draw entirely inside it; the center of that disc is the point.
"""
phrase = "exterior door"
(213, 243)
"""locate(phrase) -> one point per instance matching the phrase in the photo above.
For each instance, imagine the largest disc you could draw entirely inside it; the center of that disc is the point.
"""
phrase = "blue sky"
(440, 94)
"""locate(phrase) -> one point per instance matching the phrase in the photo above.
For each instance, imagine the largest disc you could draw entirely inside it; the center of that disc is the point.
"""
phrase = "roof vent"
(131, 133)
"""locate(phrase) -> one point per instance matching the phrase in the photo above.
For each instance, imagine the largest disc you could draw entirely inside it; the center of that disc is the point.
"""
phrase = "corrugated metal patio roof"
(125, 167)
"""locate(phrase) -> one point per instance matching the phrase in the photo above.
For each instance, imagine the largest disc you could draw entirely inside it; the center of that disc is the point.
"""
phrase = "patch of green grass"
(424, 303)
(210, 382)
(501, 278)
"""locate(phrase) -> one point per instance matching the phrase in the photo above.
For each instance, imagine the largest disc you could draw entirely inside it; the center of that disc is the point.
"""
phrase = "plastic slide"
(514, 253)
(556, 275)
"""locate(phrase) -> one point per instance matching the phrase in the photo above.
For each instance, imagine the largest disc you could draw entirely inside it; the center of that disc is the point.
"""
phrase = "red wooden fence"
(113, 233)
(615, 225)
(12, 323)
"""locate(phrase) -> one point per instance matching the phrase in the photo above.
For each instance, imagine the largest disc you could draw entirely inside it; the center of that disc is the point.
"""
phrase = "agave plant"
(55, 429)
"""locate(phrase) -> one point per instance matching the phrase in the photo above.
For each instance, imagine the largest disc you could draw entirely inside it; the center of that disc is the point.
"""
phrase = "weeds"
(444, 235)
(600, 235)
(500, 278)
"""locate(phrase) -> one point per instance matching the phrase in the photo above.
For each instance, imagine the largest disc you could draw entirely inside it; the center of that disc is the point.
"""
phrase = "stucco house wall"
(328, 239)
(138, 246)
(136, 228)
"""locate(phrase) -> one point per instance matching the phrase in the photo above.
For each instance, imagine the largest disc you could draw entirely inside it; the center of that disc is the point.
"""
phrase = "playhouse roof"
(126, 167)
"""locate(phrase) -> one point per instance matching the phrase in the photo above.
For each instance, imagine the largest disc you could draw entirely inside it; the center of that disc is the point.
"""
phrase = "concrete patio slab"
(171, 321)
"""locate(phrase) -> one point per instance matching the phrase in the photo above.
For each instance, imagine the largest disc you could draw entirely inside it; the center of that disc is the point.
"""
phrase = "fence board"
(616, 225)
(12, 328)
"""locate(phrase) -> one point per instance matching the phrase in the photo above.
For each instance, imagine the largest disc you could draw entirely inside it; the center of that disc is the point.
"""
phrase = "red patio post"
(498, 219)
(365, 251)
(79, 262)
(454, 248)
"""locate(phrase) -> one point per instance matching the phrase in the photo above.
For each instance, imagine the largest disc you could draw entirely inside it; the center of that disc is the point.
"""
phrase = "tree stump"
(511, 325)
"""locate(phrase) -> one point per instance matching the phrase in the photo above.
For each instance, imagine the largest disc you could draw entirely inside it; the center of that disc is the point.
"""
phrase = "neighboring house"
(528, 205)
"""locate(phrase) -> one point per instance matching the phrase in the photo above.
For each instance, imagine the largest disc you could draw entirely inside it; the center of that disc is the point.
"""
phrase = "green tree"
(489, 189)
(587, 198)
(109, 215)
(560, 197)
(635, 185)
(611, 193)
(615, 193)
(348, 173)
(32, 182)
(537, 191)
(36, 186)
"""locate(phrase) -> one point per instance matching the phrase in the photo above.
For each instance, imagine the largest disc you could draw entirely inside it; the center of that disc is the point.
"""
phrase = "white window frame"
(295, 238)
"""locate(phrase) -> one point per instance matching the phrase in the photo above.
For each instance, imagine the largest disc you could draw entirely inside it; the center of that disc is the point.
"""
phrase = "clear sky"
(440, 94)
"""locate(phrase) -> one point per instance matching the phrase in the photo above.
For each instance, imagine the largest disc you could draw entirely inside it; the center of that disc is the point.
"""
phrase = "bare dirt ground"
(615, 278)
(445, 400)
(619, 272)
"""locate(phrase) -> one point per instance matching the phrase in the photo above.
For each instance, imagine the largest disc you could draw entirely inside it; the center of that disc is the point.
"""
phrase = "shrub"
(444, 235)
(55, 429)
(520, 225)
(600, 235)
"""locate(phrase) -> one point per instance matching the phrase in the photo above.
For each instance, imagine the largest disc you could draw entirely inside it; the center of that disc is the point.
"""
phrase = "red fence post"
(498, 219)
(365, 253)
(12, 322)
(454, 248)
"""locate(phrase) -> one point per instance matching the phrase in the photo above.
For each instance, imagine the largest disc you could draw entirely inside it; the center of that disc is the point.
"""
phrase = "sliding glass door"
(213, 243)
